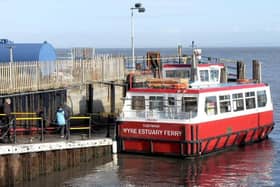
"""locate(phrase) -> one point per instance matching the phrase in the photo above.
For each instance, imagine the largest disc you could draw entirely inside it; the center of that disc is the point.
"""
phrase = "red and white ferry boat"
(192, 118)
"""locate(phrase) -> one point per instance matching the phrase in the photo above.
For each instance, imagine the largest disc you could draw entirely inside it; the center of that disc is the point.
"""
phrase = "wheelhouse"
(207, 74)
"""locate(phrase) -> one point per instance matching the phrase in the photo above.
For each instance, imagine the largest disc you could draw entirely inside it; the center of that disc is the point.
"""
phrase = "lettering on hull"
(152, 131)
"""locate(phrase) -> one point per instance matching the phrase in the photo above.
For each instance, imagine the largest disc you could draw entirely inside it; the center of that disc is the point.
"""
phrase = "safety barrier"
(69, 128)
(12, 127)
(21, 123)
(31, 119)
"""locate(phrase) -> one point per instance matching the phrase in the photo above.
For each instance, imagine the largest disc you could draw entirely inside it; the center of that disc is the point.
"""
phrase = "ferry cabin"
(207, 74)
(194, 121)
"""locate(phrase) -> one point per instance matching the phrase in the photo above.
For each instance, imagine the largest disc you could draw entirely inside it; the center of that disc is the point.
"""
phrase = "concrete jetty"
(25, 161)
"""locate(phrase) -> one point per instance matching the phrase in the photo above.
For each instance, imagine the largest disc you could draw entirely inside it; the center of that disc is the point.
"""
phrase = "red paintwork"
(183, 139)
(189, 65)
(152, 131)
(176, 65)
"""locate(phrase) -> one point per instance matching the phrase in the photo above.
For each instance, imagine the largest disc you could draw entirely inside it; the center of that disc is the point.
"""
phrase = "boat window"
(225, 103)
(171, 108)
(156, 103)
(262, 100)
(189, 104)
(211, 105)
(170, 73)
(171, 101)
(237, 100)
(178, 73)
(204, 75)
(138, 103)
(214, 75)
(250, 100)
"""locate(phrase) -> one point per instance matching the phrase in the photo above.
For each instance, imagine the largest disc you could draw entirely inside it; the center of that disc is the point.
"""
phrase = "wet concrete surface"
(101, 132)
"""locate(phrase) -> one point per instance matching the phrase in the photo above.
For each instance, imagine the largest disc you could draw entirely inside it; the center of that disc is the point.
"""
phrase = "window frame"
(238, 100)
(211, 105)
(204, 75)
(225, 102)
(138, 107)
(156, 104)
(250, 97)
(259, 97)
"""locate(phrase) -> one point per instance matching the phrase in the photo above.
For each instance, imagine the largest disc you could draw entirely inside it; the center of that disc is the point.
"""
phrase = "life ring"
(244, 81)
(180, 86)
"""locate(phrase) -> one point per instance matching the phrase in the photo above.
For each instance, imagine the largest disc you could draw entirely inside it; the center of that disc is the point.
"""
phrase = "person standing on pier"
(61, 121)
(8, 119)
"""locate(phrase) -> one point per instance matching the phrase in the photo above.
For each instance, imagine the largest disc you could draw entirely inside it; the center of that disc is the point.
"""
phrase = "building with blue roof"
(26, 51)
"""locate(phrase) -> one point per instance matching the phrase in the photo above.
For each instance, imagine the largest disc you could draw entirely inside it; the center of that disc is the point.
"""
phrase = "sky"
(166, 23)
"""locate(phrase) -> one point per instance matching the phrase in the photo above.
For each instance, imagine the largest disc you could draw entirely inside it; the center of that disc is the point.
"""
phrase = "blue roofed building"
(26, 51)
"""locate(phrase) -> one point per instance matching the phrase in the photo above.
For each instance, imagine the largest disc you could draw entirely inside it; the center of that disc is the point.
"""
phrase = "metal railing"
(69, 127)
(156, 115)
(141, 63)
(33, 76)
(12, 126)
(17, 127)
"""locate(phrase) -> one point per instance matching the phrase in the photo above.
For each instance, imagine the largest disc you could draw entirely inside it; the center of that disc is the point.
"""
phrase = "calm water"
(253, 165)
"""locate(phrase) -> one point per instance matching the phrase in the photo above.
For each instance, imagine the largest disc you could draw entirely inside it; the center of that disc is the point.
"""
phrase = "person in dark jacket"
(42, 114)
(6, 121)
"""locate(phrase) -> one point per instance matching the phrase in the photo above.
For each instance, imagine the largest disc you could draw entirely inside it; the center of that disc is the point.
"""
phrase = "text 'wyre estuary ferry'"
(189, 112)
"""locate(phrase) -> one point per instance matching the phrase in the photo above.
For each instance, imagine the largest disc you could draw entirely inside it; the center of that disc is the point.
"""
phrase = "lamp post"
(140, 9)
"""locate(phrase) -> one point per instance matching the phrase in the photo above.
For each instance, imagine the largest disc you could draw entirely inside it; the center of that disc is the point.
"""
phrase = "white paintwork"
(114, 147)
(51, 146)
(131, 115)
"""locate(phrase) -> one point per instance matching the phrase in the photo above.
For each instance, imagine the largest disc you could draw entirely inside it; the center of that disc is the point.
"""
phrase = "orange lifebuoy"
(166, 83)
(180, 86)
(243, 81)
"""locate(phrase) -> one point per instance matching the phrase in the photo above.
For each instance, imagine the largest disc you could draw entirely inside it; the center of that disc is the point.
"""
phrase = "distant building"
(17, 52)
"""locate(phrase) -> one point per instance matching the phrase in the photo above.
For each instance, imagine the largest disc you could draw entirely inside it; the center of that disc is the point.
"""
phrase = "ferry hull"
(189, 140)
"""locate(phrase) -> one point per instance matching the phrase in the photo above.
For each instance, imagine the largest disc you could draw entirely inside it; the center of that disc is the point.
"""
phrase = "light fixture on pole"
(140, 9)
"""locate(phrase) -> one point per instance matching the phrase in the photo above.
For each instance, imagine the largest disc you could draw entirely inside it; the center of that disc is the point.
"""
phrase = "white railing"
(156, 115)
(32, 76)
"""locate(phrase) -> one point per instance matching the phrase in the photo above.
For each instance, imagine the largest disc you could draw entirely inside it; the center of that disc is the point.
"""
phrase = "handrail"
(30, 119)
(68, 127)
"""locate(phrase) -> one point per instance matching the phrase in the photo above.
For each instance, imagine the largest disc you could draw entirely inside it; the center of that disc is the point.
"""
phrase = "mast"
(194, 65)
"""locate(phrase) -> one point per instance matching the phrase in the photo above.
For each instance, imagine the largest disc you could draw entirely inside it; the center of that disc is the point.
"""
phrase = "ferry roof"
(189, 65)
(216, 88)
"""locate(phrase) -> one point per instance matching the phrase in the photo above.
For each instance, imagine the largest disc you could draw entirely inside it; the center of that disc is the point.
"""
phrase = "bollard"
(257, 71)
(240, 70)
(224, 77)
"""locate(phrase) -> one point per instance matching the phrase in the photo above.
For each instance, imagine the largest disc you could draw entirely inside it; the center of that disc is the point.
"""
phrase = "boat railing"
(141, 61)
(154, 115)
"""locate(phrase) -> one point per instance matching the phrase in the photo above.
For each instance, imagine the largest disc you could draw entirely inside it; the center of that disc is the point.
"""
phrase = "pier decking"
(30, 157)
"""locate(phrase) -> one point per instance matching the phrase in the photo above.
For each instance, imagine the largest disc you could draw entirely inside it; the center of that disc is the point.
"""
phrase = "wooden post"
(179, 51)
(224, 77)
(257, 71)
(90, 98)
(112, 99)
(112, 102)
(240, 70)
(125, 88)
